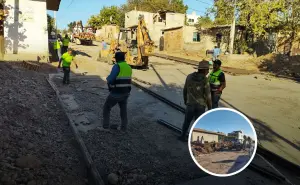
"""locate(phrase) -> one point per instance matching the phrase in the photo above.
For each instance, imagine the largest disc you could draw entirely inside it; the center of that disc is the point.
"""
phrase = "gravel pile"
(37, 146)
(147, 154)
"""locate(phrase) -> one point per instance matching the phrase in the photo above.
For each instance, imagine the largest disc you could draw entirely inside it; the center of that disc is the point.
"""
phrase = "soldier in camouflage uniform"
(196, 95)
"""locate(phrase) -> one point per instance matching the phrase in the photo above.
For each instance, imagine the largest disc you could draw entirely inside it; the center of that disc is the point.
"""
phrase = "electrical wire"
(204, 2)
(70, 3)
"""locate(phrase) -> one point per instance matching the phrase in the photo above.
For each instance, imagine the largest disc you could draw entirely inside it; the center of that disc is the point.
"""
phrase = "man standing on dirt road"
(66, 61)
(66, 41)
(119, 84)
(217, 83)
(196, 95)
(216, 53)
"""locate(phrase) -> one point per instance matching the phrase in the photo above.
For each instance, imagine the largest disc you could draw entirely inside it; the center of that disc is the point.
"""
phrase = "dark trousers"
(215, 98)
(66, 78)
(110, 102)
(191, 112)
(64, 49)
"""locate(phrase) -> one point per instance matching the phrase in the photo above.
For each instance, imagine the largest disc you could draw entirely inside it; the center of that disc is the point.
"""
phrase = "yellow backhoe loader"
(135, 42)
(140, 47)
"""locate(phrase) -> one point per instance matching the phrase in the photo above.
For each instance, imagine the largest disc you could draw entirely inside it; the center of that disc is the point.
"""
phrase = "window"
(191, 20)
(196, 37)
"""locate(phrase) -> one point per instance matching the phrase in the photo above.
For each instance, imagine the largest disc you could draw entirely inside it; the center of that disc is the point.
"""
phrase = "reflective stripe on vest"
(123, 80)
(213, 79)
(56, 45)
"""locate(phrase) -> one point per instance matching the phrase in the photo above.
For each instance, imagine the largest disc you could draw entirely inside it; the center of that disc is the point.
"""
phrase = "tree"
(118, 13)
(291, 23)
(108, 15)
(71, 25)
(204, 22)
(50, 24)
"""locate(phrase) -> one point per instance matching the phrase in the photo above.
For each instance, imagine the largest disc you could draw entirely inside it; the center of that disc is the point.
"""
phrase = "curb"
(87, 157)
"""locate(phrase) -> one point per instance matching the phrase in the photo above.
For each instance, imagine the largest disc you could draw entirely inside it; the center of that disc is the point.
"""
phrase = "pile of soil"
(279, 64)
(35, 137)
(202, 148)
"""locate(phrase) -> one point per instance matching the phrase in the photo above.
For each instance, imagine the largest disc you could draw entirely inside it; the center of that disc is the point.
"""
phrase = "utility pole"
(232, 32)
(55, 23)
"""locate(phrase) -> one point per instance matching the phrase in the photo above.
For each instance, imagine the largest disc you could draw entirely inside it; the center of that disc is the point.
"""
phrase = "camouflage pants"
(191, 112)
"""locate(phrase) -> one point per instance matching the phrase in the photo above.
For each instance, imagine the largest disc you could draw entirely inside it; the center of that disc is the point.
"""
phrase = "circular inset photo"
(222, 142)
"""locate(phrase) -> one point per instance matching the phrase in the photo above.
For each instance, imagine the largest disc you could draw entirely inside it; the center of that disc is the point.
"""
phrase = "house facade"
(25, 29)
(155, 22)
(192, 18)
(200, 135)
(181, 38)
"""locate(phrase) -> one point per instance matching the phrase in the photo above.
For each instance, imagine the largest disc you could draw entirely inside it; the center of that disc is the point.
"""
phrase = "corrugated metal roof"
(208, 132)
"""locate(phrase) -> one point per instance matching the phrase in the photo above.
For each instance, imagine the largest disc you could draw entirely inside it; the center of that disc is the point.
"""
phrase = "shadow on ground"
(82, 53)
(264, 132)
(281, 65)
(148, 150)
(224, 161)
(240, 162)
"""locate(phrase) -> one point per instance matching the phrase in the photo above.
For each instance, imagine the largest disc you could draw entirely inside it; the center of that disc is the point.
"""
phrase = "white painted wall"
(192, 16)
(29, 30)
(131, 18)
(174, 20)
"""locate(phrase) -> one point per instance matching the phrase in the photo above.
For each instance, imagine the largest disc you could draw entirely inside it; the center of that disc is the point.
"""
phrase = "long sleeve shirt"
(113, 74)
(111, 79)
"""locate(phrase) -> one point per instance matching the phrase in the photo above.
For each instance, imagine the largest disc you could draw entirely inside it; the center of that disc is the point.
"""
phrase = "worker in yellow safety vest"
(57, 49)
(66, 60)
(119, 84)
(217, 83)
(66, 40)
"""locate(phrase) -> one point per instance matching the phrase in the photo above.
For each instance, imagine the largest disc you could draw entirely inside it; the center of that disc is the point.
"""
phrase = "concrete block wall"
(25, 29)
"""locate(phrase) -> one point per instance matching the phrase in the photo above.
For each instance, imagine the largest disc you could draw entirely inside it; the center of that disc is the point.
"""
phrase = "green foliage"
(108, 15)
(50, 24)
(156, 5)
(204, 22)
(71, 25)
(118, 13)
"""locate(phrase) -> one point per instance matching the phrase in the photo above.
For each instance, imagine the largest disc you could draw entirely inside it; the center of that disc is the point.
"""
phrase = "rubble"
(30, 153)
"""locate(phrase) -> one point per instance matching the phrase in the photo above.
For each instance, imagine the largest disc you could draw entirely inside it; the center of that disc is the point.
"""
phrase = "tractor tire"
(78, 42)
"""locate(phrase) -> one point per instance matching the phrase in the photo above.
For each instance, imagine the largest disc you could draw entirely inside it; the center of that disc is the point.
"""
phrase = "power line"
(197, 10)
(70, 3)
(204, 2)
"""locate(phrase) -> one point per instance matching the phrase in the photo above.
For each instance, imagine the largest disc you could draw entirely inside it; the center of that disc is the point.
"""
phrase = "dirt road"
(222, 162)
(167, 79)
(270, 101)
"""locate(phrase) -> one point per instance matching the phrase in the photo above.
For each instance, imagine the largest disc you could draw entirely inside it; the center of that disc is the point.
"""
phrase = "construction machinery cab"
(138, 44)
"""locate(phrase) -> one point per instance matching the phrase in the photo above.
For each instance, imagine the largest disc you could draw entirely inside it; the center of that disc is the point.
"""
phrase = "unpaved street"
(270, 101)
(222, 162)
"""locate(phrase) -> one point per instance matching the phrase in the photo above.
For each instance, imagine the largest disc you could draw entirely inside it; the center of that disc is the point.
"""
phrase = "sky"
(225, 121)
(75, 10)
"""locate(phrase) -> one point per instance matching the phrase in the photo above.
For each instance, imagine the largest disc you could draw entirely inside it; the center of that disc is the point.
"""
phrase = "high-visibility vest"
(56, 45)
(214, 80)
(67, 59)
(66, 41)
(122, 84)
